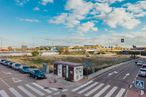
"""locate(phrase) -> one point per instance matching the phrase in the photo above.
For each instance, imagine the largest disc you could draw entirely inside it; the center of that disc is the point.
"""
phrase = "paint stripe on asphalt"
(120, 93)
(16, 93)
(82, 86)
(87, 88)
(3, 93)
(39, 86)
(109, 94)
(101, 91)
(95, 89)
(26, 91)
(35, 90)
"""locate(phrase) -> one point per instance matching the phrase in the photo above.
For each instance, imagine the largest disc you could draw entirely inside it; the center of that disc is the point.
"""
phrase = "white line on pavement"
(120, 93)
(54, 89)
(26, 91)
(101, 91)
(93, 90)
(17, 94)
(87, 88)
(39, 86)
(126, 75)
(3, 93)
(35, 90)
(82, 86)
(5, 82)
(109, 94)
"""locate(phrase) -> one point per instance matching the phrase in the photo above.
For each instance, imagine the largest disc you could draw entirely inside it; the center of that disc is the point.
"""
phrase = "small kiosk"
(70, 71)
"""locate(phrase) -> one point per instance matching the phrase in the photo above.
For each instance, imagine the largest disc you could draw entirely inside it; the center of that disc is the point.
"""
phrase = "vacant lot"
(98, 61)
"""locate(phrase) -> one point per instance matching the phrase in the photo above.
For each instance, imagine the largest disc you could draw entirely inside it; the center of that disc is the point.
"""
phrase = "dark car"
(6, 62)
(24, 69)
(37, 74)
(139, 63)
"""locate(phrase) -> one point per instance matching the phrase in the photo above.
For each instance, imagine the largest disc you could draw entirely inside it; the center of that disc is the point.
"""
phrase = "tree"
(35, 53)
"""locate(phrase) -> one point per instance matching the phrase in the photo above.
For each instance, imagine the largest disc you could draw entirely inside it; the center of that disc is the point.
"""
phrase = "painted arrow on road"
(126, 75)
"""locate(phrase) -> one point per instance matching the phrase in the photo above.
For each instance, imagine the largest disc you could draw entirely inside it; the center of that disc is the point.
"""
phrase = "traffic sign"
(139, 84)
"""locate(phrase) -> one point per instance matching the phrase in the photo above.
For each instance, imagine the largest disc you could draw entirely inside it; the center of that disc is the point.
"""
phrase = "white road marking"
(87, 88)
(5, 82)
(82, 86)
(16, 93)
(39, 86)
(64, 90)
(126, 75)
(109, 94)
(49, 96)
(101, 91)
(57, 93)
(54, 89)
(16, 80)
(93, 90)
(26, 91)
(3, 93)
(120, 93)
(114, 72)
(35, 90)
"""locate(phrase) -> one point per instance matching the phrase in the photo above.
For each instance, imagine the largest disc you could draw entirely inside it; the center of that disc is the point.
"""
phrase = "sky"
(72, 22)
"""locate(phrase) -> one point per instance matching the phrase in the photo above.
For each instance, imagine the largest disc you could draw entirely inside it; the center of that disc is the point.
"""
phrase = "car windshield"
(17, 65)
(26, 67)
(38, 72)
(143, 69)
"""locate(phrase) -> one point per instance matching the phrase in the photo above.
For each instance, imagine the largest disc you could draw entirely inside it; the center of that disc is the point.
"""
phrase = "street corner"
(132, 93)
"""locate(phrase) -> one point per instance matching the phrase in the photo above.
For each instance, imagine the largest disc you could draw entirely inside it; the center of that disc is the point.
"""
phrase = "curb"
(91, 76)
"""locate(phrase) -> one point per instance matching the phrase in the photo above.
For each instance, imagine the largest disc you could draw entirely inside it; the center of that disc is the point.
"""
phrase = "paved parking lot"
(15, 84)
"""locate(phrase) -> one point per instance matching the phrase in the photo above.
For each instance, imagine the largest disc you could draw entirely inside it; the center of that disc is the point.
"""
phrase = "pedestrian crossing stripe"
(95, 89)
(31, 90)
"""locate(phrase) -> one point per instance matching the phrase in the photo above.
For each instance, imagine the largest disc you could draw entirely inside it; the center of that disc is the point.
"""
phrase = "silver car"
(139, 63)
(142, 72)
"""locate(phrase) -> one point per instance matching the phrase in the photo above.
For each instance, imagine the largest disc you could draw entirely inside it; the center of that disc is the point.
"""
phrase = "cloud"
(36, 8)
(79, 12)
(85, 27)
(119, 17)
(45, 2)
(29, 20)
(21, 2)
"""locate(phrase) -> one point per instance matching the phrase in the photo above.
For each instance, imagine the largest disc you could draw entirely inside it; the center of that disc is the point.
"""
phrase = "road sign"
(139, 84)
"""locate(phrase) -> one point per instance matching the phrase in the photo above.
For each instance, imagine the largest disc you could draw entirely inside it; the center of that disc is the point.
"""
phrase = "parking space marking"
(17, 94)
(16, 80)
(54, 89)
(3, 93)
(35, 90)
(26, 91)
(5, 82)
(39, 86)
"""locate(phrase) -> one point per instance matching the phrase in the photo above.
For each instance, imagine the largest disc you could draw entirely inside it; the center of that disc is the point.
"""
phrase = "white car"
(142, 72)
(139, 63)
(16, 66)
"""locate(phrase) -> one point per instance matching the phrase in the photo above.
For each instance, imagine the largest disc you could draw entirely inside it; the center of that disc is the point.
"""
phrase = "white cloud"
(45, 2)
(36, 8)
(29, 20)
(21, 2)
(119, 17)
(85, 27)
(109, 1)
(144, 28)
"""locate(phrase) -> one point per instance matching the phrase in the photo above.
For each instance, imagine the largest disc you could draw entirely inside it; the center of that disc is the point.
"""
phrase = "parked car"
(142, 72)
(2, 61)
(139, 63)
(16, 66)
(144, 66)
(6, 62)
(24, 69)
(10, 64)
(37, 74)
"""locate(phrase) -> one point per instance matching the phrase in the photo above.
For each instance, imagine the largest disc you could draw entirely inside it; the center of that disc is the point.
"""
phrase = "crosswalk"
(29, 90)
(97, 89)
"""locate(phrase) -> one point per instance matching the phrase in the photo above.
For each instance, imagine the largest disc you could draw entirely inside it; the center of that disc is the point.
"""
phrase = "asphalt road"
(113, 83)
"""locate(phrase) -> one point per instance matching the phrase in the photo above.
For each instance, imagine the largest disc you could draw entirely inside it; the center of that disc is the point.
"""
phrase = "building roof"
(68, 63)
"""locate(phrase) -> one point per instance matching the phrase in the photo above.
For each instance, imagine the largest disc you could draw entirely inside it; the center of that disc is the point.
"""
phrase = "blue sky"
(72, 22)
